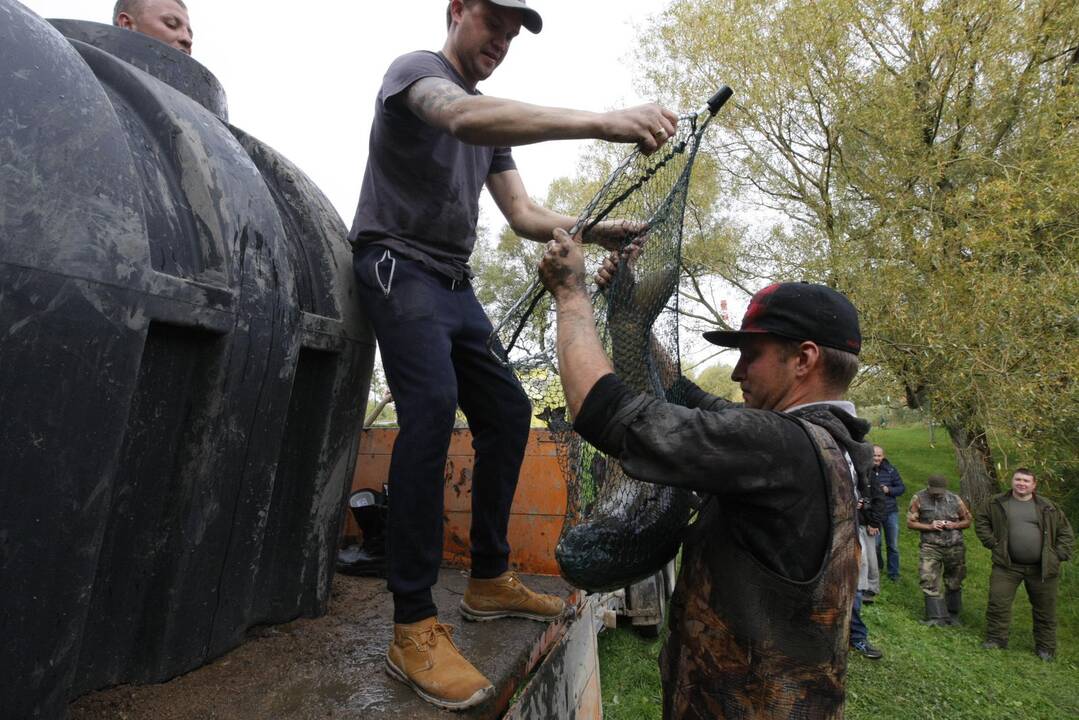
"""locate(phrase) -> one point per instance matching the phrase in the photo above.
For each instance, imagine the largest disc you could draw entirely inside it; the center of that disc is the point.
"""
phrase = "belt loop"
(453, 283)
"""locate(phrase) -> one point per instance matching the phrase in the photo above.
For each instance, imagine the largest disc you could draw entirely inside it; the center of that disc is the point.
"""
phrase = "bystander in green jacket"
(1029, 537)
(991, 527)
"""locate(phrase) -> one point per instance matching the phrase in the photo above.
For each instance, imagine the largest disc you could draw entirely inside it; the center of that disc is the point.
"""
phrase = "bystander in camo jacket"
(941, 516)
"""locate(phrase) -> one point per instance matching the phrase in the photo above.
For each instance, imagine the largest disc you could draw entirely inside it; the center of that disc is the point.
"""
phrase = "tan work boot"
(506, 596)
(424, 657)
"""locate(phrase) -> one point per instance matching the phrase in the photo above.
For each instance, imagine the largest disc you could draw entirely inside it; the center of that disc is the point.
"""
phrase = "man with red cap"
(760, 616)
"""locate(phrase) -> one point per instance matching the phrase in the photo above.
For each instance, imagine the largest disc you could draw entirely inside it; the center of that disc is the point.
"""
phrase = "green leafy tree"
(921, 157)
(716, 379)
(380, 407)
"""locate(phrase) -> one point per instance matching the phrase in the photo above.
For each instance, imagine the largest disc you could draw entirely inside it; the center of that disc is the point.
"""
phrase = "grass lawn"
(926, 672)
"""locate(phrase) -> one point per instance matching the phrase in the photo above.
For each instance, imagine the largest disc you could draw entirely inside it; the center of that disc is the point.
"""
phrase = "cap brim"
(530, 18)
(728, 338)
(532, 21)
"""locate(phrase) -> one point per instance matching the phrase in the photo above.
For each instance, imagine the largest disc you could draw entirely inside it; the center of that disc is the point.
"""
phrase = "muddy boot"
(424, 657)
(506, 596)
(936, 612)
(954, 601)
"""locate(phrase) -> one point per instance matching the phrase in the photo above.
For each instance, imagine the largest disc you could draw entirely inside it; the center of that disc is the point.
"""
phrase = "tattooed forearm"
(431, 98)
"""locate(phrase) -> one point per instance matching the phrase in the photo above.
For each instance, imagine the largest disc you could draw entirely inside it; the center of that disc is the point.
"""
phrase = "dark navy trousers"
(432, 335)
(859, 633)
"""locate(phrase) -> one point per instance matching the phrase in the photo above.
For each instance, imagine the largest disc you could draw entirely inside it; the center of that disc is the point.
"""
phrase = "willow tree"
(920, 156)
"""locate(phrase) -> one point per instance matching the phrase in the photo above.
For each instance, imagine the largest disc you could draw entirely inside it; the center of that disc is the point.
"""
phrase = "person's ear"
(807, 358)
(125, 21)
(457, 9)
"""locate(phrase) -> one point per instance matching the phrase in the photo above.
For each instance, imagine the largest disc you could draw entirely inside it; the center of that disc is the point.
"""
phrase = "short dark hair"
(838, 366)
(1025, 471)
(449, 11)
(132, 7)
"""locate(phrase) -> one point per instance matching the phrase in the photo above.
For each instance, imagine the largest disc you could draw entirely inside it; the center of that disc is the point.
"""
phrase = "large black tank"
(183, 368)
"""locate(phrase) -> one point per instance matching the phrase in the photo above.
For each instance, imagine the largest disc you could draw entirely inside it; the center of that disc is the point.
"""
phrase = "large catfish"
(634, 528)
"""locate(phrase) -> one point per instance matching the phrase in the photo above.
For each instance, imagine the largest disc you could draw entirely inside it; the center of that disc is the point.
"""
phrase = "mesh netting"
(618, 530)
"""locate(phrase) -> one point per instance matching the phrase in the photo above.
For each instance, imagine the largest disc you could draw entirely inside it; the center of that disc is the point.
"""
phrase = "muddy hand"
(605, 275)
(562, 267)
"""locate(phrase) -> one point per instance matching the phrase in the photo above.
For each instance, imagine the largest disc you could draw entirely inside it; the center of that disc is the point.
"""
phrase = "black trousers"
(432, 335)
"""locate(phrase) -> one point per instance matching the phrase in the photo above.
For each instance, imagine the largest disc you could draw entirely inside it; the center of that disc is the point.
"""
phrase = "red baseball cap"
(798, 311)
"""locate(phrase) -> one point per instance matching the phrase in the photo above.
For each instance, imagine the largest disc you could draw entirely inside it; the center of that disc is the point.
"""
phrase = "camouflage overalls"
(942, 552)
(747, 643)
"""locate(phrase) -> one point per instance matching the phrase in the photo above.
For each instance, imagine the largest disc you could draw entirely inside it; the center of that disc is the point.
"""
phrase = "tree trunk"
(977, 473)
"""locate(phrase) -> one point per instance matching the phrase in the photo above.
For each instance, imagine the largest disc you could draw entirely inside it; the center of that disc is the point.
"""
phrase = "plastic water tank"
(183, 368)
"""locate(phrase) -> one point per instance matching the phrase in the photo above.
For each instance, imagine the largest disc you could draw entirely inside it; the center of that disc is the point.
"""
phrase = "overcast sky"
(304, 80)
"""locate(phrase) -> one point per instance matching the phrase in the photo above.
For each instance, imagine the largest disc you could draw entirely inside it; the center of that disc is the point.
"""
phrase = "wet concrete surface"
(332, 667)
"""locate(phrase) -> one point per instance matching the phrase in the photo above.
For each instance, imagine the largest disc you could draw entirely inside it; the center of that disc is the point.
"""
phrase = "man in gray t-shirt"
(1029, 537)
(435, 143)
(1024, 535)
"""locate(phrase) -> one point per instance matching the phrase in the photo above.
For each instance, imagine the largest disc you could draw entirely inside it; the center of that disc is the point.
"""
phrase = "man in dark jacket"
(871, 500)
(760, 616)
(891, 486)
(1029, 537)
(870, 504)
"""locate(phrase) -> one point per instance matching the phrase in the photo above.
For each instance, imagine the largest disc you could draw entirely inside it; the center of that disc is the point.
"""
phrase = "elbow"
(517, 224)
(520, 218)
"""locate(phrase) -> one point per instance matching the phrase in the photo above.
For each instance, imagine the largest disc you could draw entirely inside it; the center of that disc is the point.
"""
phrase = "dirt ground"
(330, 667)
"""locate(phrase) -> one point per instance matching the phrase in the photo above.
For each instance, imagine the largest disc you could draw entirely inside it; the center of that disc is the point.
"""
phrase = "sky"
(304, 81)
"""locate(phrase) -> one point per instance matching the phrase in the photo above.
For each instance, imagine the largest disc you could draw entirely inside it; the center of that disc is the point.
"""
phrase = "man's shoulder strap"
(821, 437)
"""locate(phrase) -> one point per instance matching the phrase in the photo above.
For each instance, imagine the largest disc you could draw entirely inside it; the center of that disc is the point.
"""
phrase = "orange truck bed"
(538, 507)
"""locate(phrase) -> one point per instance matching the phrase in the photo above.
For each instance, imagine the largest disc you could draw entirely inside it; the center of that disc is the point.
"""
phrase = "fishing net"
(618, 530)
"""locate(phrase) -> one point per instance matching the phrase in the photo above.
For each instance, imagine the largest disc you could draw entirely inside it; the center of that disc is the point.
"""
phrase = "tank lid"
(169, 65)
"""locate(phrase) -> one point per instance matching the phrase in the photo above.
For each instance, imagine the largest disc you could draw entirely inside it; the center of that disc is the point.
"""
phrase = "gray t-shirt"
(421, 188)
(1024, 534)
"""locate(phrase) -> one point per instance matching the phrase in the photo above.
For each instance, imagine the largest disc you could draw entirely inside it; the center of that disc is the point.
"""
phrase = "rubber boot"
(936, 612)
(954, 600)
(369, 508)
